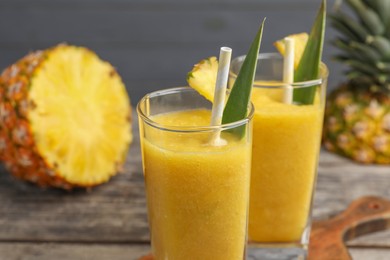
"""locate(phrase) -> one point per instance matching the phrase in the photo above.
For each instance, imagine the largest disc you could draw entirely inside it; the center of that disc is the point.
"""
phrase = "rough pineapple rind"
(357, 118)
(20, 143)
(357, 125)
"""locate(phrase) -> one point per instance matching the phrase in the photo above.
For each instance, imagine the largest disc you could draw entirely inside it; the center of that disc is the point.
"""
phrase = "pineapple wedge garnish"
(203, 77)
(300, 40)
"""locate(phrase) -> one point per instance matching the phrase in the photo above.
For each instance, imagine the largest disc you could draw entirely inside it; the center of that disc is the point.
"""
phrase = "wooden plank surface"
(66, 251)
(113, 212)
(369, 254)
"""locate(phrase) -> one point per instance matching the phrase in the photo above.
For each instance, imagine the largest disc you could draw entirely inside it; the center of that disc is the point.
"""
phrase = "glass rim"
(188, 129)
(276, 85)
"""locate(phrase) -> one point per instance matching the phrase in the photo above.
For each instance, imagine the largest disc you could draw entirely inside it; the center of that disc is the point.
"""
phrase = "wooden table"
(110, 221)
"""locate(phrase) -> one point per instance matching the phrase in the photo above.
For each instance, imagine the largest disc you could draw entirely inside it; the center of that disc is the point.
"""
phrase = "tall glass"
(197, 177)
(286, 145)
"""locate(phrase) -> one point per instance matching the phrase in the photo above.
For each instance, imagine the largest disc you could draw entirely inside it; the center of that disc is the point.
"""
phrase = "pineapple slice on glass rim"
(65, 118)
(300, 40)
(203, 77)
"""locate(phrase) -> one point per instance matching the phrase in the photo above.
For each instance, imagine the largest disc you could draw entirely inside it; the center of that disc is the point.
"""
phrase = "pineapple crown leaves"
(365, 41)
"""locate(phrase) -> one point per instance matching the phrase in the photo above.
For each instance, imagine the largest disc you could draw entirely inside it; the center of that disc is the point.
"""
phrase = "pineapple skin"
(357, 118)
(18, 150)
(357, 124)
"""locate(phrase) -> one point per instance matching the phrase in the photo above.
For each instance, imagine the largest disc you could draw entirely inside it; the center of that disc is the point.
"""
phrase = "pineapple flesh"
(65, 118)
(357, 117)
(203, 77)
(300, 40)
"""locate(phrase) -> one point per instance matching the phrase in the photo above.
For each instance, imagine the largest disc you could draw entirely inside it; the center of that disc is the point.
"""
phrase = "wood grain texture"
(64, 251)
(112, 212)
(363, 216)
(369, 254)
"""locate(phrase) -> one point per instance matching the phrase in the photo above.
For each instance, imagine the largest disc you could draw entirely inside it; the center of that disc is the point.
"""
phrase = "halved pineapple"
(66, 118)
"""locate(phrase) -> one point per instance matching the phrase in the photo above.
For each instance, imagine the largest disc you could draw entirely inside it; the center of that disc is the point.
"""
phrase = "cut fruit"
(203, 77)
(70, 118)
(300, 41)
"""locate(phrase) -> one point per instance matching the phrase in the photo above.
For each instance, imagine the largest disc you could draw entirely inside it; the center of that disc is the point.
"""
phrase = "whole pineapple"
(357, 117)
(64, 118)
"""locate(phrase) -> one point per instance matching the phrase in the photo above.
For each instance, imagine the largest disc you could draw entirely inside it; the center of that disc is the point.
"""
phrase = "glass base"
(276, 252)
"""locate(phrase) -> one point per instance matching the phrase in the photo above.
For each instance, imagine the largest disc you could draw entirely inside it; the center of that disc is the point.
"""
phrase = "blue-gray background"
(154, 43)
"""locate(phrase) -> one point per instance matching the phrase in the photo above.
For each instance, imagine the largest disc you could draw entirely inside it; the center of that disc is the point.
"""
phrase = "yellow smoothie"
(286, 140)
(197, 193)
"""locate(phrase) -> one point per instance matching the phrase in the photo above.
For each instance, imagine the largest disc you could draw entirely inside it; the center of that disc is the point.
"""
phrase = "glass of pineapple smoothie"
(286, 144)
(197, 177)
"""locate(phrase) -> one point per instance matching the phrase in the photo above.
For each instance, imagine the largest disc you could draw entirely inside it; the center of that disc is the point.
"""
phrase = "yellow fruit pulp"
(203, 77)
(286, 140)
(80, 115)
(300, 41)
(197, 193)
(286, 143)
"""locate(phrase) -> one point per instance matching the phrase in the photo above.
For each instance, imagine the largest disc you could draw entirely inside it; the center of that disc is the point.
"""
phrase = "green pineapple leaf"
(236, 107)
(381, 7)
(309, 66)
(352, 26)
(381, 44)
(370, 19)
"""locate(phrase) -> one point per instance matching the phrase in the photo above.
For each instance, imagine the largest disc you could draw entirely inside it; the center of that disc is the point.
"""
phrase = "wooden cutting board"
(363, 216)
(327, 241)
